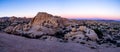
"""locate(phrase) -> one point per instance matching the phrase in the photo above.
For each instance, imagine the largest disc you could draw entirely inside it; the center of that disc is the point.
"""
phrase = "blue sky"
(105, 9)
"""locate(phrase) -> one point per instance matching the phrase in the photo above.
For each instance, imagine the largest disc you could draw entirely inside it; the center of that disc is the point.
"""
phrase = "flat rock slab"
(12, 43)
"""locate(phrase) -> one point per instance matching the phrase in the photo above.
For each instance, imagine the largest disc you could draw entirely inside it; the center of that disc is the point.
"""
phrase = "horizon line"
(86, 18)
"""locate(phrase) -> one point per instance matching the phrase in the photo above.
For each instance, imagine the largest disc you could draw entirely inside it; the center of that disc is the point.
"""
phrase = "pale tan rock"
(81, 32)
(74, 34)
(82, 28)
(74, 29)
(9, 29)
(91, 34)
(18, 27)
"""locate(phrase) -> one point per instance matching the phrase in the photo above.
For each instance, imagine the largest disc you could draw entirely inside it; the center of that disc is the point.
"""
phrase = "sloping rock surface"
(12, 43)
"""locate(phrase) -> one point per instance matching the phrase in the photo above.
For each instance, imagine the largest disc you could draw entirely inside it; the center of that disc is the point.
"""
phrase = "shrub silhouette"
(99, 33)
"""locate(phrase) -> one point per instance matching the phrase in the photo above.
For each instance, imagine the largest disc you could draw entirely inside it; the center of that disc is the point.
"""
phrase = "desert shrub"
(92, 47)
(26, 35)
(99, 33)
(82, 42)
(59, 34)
(118, 44)
(37, 37)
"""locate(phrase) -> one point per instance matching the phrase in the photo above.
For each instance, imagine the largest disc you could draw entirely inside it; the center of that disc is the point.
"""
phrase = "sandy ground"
(12, 43)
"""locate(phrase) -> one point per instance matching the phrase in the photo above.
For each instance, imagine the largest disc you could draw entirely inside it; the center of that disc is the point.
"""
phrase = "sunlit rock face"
(44, 19)
(50, 21)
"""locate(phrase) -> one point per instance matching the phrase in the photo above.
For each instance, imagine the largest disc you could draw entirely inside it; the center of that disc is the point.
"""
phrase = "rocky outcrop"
(9, 29)
(18, 30)
(46, 20)
(12, 21)
(42, 24)
(47, 27)
(82, 32)
(47, 24)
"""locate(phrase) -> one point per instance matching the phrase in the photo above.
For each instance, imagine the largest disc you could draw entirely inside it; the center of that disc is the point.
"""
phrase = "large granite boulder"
(82, 32)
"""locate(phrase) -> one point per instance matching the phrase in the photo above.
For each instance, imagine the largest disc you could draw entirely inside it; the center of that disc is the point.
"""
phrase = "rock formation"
(82, 32)
(12, 21)
(9, 29)
(47, 25)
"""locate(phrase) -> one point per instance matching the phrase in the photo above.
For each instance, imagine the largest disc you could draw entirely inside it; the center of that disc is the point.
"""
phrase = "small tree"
(99, 33)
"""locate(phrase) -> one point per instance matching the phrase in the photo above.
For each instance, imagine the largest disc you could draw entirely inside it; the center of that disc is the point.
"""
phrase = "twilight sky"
(97, 9)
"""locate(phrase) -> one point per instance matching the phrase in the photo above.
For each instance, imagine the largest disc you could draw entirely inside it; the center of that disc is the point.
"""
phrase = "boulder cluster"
(13, 21)
(47, 27)
(42, 24)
